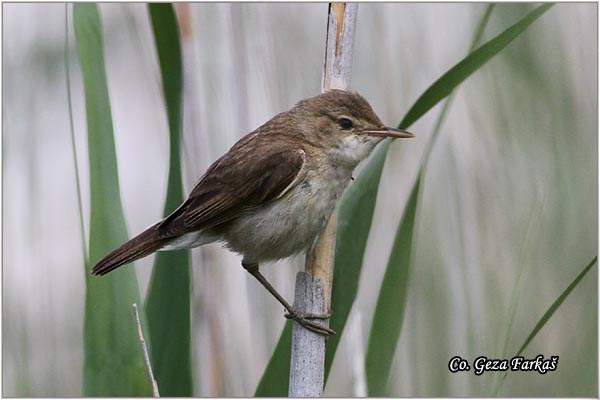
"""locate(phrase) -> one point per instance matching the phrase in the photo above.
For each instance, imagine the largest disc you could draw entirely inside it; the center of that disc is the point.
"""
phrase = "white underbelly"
(287, 226)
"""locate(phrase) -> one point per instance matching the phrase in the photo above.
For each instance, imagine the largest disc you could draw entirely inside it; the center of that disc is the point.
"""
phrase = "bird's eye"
(345, 124)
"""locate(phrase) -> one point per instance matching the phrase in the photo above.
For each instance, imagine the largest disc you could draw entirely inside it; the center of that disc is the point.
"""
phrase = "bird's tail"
(140, 246)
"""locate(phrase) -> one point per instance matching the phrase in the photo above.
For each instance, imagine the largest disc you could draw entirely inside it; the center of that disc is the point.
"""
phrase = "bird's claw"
(304, 319)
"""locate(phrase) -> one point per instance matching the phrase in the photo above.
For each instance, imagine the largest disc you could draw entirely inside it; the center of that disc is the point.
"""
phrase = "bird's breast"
(292, 223)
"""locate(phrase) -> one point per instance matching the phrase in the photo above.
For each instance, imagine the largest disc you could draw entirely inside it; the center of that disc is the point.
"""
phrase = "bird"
(271, 195)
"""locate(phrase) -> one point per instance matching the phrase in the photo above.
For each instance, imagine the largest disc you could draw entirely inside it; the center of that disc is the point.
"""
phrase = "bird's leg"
(301, 317)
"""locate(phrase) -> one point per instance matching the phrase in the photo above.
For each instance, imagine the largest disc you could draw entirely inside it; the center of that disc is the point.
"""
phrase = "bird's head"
(345, 124)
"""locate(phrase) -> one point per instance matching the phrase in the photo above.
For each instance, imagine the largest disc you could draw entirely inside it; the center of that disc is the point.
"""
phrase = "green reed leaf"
(548, 314)
(168, 299)
(391, 303)
(113, 362)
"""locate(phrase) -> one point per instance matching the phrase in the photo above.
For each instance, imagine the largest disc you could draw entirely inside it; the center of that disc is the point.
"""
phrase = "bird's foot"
(304, 319)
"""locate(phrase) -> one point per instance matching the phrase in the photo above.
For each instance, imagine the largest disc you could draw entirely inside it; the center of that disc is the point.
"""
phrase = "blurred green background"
(509, 211)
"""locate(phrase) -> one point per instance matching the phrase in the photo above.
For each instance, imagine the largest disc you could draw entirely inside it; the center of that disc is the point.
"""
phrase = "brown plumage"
(271, 194)
(217, 198)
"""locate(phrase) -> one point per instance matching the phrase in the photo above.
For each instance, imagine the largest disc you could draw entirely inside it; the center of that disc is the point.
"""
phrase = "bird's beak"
(389, 132)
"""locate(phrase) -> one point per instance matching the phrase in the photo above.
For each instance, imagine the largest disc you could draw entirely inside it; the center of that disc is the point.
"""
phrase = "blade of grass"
(275, 380)
(168, 299)
(72, 127)
(113, 364)
(442, 117)
(548, 314)
(391, 302)
(461, 71)
(427, 101)
(355, 215)
(515, 298)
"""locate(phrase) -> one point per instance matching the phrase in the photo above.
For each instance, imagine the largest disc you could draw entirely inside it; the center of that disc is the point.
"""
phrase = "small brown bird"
(271, 195)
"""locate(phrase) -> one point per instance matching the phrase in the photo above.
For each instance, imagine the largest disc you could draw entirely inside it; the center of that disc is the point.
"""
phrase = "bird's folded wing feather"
(234, 184)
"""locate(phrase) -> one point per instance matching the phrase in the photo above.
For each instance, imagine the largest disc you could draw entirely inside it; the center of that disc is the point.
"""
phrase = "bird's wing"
(235, 183)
